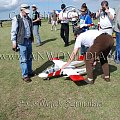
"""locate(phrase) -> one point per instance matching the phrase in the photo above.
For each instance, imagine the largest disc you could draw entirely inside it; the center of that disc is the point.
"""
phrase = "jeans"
(36, 33)
(117, 51)
(26, 57)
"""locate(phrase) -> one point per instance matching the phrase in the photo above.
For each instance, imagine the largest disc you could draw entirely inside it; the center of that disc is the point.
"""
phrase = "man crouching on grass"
(93, 43)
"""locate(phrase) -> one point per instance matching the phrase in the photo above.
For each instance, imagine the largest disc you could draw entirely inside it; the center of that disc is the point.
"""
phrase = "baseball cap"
(25, 8)
(63, 6)
(34, 6)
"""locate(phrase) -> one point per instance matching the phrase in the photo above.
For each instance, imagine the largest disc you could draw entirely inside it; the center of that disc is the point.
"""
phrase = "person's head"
(104, 5)
(73, 9)
(63, 6)
(78, 31)
(54, 11)
(25, 9)
(83, 10)
(34, 8)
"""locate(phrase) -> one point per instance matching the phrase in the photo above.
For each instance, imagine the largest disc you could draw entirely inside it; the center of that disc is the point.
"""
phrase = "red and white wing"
(73, 74)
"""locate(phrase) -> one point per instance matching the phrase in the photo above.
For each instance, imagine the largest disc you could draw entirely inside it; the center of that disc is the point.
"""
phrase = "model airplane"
(71, 71)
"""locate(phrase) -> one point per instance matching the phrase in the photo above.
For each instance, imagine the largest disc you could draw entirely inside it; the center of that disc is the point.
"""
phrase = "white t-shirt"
(63, 16)
(73, 15)
(105, 21)
(87, 38)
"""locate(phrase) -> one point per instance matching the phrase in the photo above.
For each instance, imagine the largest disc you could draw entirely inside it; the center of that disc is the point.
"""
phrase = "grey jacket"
(117, 20)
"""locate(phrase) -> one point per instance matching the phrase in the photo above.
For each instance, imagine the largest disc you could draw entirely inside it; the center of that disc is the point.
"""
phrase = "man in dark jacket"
(36, 23)
(22, 36)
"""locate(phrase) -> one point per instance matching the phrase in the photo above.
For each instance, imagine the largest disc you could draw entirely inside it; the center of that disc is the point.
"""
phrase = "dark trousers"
(65, 33)
(74, 24)
(101, 47)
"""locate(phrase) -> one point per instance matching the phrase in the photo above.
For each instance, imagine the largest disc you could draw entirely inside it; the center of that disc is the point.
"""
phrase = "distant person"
(106, 17)
(54, 20)
(36, 23)
(63, 17)
(117, 30)
(85, 19)
(1, 23)
(74, 16)
(96, 44)
(22, 36)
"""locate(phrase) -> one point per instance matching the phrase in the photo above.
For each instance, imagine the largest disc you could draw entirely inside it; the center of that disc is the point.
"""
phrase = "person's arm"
(72, 56)
(14, 32)
(111, 16)
(98, 13)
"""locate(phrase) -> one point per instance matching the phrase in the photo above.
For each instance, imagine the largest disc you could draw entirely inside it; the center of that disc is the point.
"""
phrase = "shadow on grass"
(72, 42)
(43, 67)
(46, 65)
(99, 71)
(48, 40)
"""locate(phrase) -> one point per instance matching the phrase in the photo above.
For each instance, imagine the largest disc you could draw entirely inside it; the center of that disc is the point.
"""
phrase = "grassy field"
(55, 99)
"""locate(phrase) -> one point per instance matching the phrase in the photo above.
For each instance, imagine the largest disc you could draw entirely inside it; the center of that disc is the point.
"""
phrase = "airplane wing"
(59, 63)
(76, 62)
(73, 75)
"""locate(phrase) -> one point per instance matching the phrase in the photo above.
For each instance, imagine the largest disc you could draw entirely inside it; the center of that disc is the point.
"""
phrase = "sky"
(11, 7)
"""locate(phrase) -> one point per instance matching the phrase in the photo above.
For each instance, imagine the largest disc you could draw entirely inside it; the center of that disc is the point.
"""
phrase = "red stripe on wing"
(81, 58)
(51, 74)
(57, 73)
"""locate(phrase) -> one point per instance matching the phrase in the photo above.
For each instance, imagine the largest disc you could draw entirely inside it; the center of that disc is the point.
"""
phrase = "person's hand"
(107, 11)
(64, 66)
(14, 45)
(83, 25)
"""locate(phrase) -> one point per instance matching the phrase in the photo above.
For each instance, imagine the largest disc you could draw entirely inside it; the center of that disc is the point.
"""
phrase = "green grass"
(57, 99)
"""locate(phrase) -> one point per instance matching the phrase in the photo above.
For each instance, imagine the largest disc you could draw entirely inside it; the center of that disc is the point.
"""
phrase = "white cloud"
(8, 4)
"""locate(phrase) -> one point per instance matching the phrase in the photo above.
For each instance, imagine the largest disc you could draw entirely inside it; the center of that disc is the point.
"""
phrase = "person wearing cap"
(22, 36)
(36, 22)
(64, 32)
(106, 17)
(85, 19)
(74, 16)
(96, 44)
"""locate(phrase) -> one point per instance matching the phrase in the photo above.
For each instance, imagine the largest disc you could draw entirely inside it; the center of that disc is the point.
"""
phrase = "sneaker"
(106, 79)
(27, 79)
(66, 45)
(31, 75)
(88, 81)
(38, 45)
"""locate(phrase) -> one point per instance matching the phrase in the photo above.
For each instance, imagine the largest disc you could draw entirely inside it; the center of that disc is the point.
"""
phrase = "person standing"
(36, 23)
(54, 20)
(85, 19)
(74, 16)
(96, 44)
(117, 30)
(64, 33)
(106, 17)
(22, 36)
